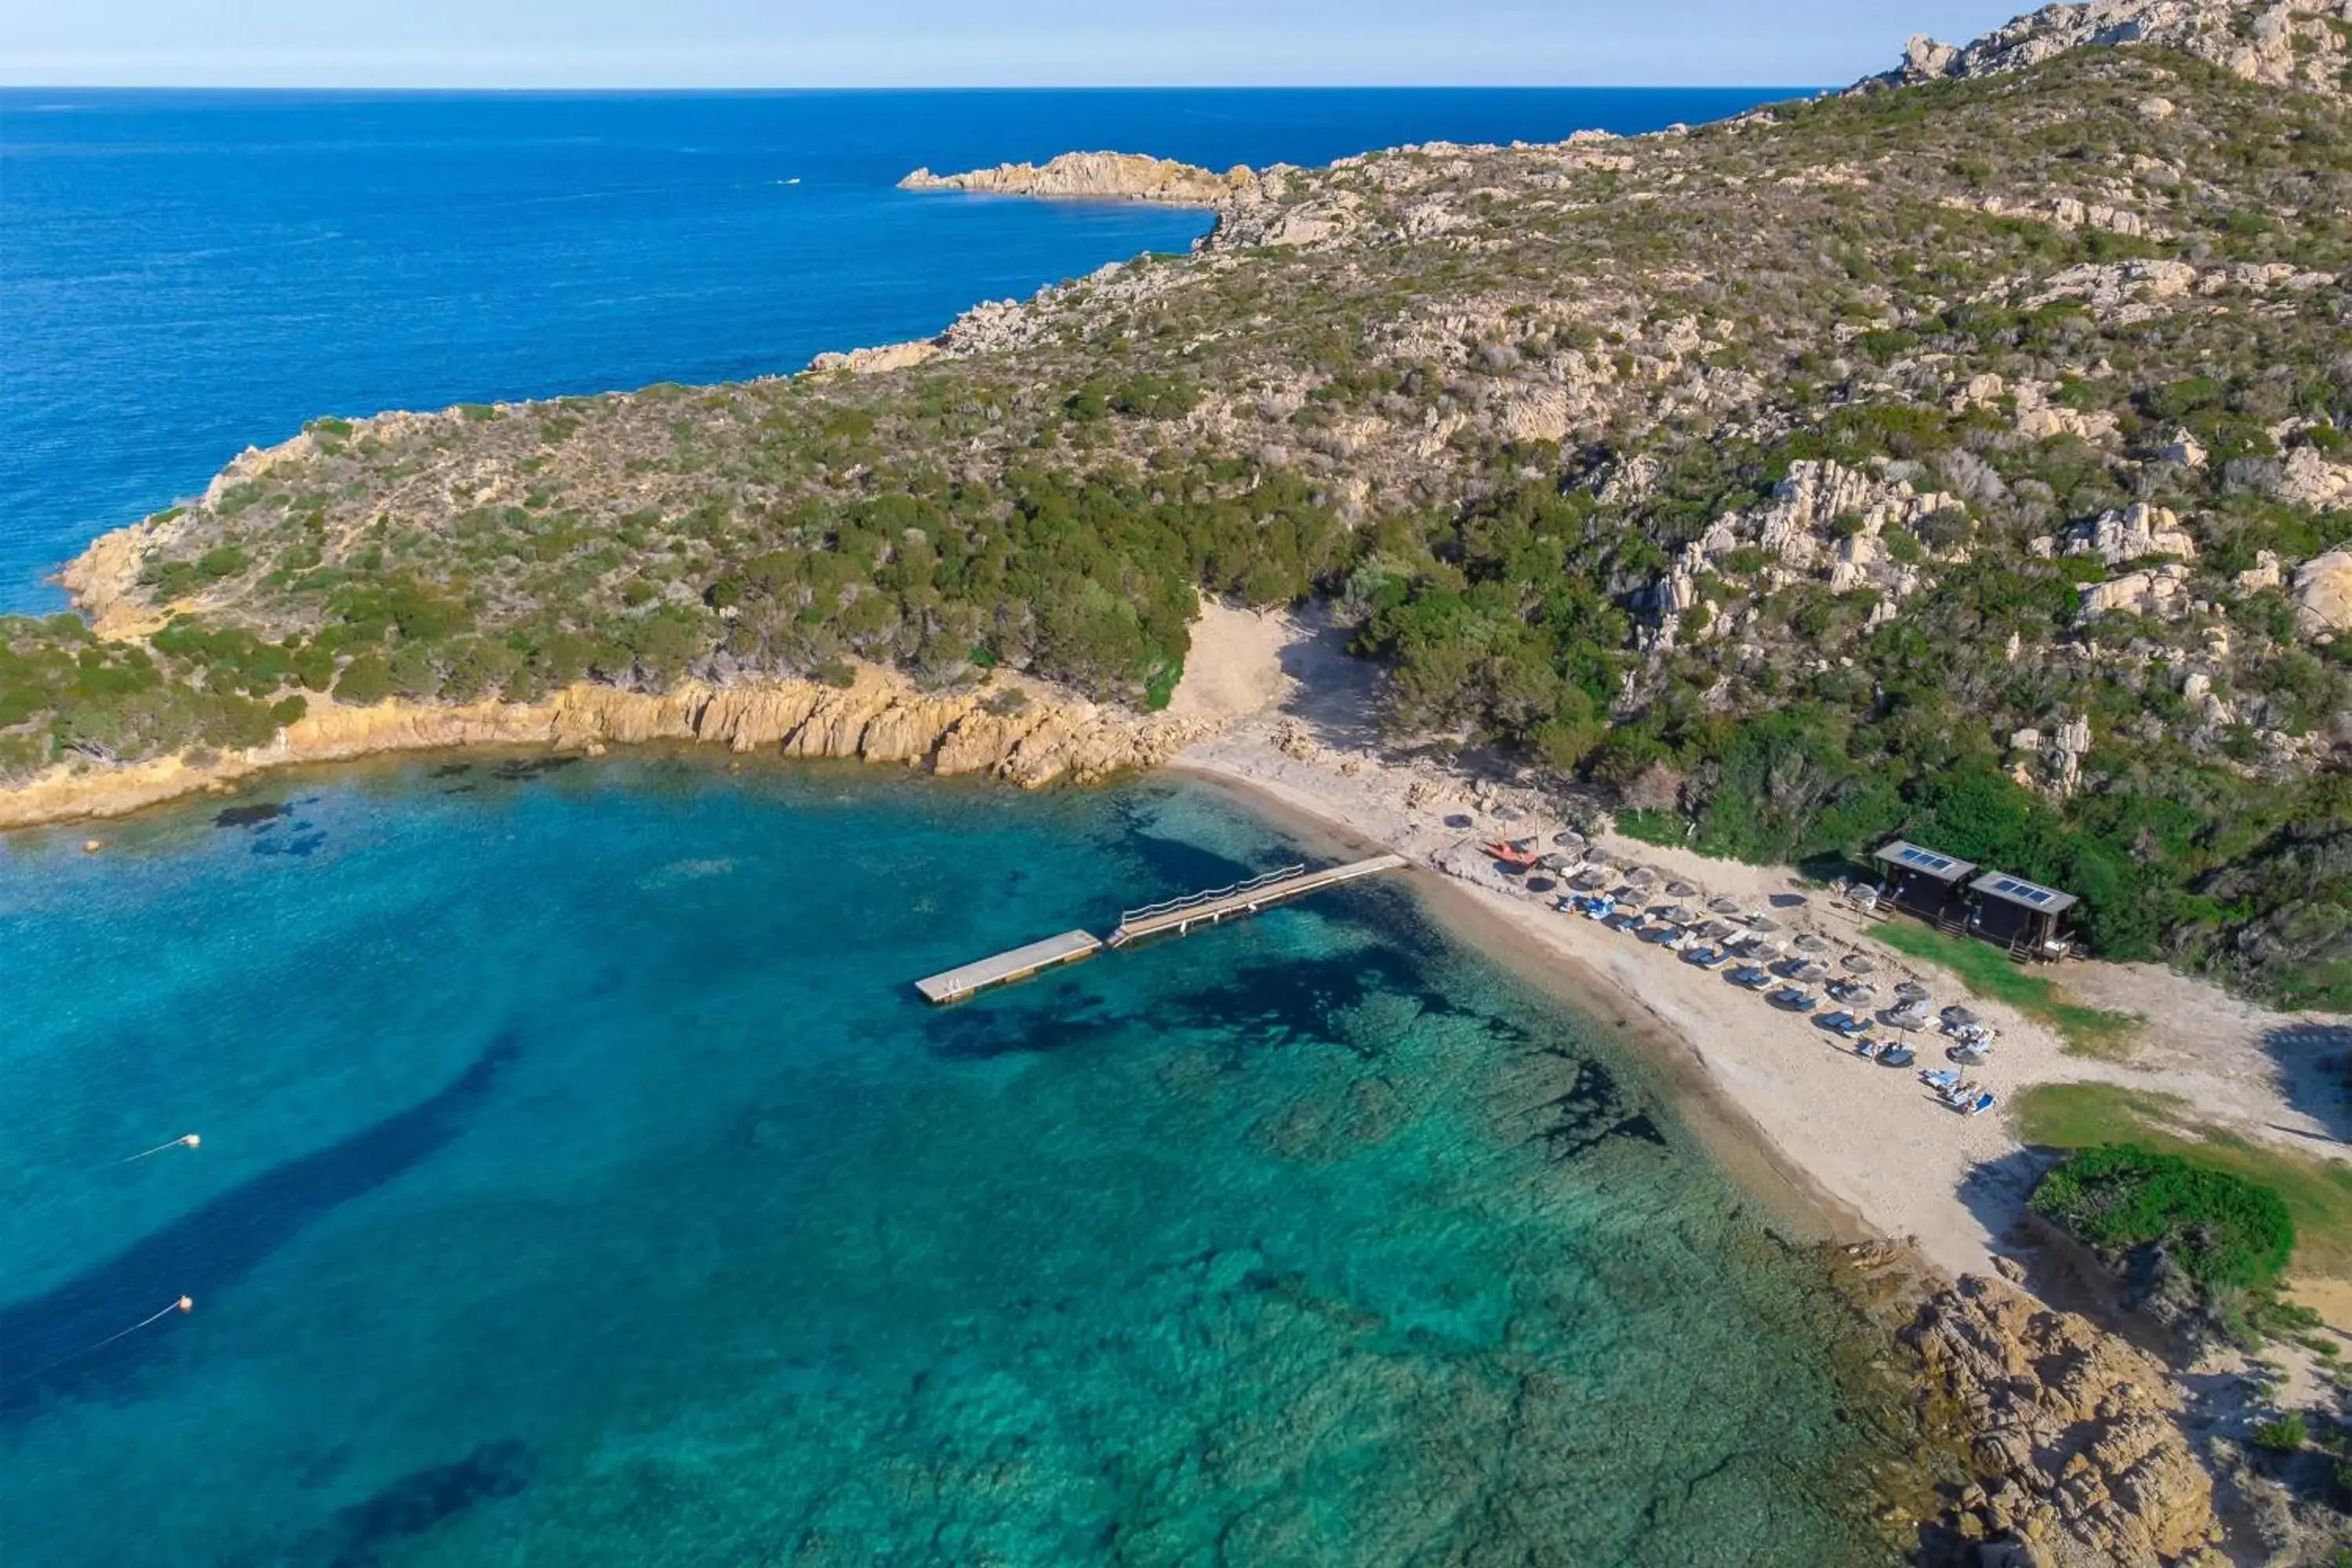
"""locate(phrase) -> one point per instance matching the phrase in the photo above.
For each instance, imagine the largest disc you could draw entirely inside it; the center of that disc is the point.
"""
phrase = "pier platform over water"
(1007, 967)
(1179, 916)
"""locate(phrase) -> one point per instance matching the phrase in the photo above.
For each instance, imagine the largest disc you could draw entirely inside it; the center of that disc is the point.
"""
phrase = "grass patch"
(1988, 971)
(2318, 1194)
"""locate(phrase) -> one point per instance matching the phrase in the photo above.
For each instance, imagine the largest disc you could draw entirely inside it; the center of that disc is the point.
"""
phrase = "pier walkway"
(1177, 915)
(1180, 915)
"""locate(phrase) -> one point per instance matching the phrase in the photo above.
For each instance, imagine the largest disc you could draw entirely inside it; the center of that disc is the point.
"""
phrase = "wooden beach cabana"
(1924, 882)
(2022, 916)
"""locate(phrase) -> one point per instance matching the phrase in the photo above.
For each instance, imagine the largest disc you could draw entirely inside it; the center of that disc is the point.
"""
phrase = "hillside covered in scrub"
(1968, 455)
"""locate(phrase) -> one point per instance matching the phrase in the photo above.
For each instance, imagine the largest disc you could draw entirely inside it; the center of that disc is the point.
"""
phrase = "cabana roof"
(1909, 857)
(2026, 895)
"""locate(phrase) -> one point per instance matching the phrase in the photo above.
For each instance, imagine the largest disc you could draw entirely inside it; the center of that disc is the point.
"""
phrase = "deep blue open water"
(186, 274)
(580, 1182)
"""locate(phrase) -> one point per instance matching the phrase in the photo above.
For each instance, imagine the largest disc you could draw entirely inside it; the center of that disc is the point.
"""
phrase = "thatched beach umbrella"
(1807, 941)
(1811, 974)
(1860, 962)
(1725, 905)
(1592, 881)
(1569, 839)
(1679, 915)
(1762, 923)
(1641, 875)
(1559, 862)
(1911, 991)
(1857, 992)
(1959, 1017)
(1681, 890)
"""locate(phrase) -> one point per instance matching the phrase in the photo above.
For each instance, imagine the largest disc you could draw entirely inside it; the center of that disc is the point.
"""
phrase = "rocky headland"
(1099, 177)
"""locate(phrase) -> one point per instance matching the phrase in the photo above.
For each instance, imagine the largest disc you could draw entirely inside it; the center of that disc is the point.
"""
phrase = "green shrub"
(2226, 1232)
(364, 682)
(2286, 1435)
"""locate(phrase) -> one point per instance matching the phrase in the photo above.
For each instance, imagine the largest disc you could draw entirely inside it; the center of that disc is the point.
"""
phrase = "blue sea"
(183, 274)
(577, 1178)
(580, 1181)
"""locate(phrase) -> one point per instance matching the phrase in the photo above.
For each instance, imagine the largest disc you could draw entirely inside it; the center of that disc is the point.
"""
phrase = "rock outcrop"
(1124, 176)
(2285, 43)
(2323, 595)
(2081, 1462)
(2132, 533)
(1825, 520)
(1024, 733)
(878, 359)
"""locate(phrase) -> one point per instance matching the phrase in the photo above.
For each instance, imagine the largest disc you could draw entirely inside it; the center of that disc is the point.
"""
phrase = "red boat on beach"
(1519, 856)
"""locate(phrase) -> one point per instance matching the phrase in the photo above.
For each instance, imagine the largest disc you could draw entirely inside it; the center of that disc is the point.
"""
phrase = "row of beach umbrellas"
(1595, 870)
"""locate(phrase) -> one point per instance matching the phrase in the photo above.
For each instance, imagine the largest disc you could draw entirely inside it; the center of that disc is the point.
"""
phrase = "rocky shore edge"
(2073, 1441)
(1019, 731)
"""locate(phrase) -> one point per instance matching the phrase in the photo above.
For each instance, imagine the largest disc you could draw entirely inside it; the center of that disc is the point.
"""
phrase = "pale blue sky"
(793, 43)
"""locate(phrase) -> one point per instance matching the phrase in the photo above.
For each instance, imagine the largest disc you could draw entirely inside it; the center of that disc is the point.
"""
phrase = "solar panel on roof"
(2009, 887)
(1926, 860)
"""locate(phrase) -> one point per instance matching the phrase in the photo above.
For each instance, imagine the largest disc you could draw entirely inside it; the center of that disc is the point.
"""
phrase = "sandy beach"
(1869, 1146)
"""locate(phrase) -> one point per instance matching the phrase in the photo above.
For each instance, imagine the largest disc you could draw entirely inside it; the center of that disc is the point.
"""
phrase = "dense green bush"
(2226, 1234)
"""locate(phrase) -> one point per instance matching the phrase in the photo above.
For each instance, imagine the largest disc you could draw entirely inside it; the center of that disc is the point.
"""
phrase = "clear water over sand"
(580, 1182)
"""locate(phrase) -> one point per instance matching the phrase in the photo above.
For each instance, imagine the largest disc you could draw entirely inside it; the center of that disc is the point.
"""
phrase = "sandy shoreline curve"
(1868, 1149)
(1272, 709)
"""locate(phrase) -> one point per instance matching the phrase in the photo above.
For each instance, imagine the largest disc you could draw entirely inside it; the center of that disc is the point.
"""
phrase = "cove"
(581, 1181)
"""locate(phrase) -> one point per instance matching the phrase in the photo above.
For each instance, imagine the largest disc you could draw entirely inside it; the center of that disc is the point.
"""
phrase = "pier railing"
(1211, 896)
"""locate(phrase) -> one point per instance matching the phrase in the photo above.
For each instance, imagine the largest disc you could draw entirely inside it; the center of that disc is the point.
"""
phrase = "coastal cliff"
(1017, 731)
(1123, 176)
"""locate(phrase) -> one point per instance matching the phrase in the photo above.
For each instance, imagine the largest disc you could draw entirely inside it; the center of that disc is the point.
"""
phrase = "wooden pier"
(1007, 967)
(1179, 916)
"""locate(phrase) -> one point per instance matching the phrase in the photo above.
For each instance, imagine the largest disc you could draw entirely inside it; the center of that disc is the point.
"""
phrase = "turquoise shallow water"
(581, 1182)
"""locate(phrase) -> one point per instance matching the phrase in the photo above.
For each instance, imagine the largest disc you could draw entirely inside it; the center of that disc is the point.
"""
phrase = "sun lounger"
(1867, 1050)
(1979, 1105)
(1939, 1078)
(1897, 1056)
(1753, 978)
(1790, 999)
(1846, 1023)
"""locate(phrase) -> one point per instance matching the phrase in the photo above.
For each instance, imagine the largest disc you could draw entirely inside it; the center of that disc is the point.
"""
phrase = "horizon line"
(780, 88)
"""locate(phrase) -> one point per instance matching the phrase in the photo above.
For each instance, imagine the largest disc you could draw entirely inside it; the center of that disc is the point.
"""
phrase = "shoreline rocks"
(1020, 733)
(2079, 1456)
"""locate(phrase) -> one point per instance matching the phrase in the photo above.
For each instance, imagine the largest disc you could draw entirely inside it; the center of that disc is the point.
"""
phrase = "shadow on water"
(359, 1536)
(63, 1335)
(1050, 1018)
